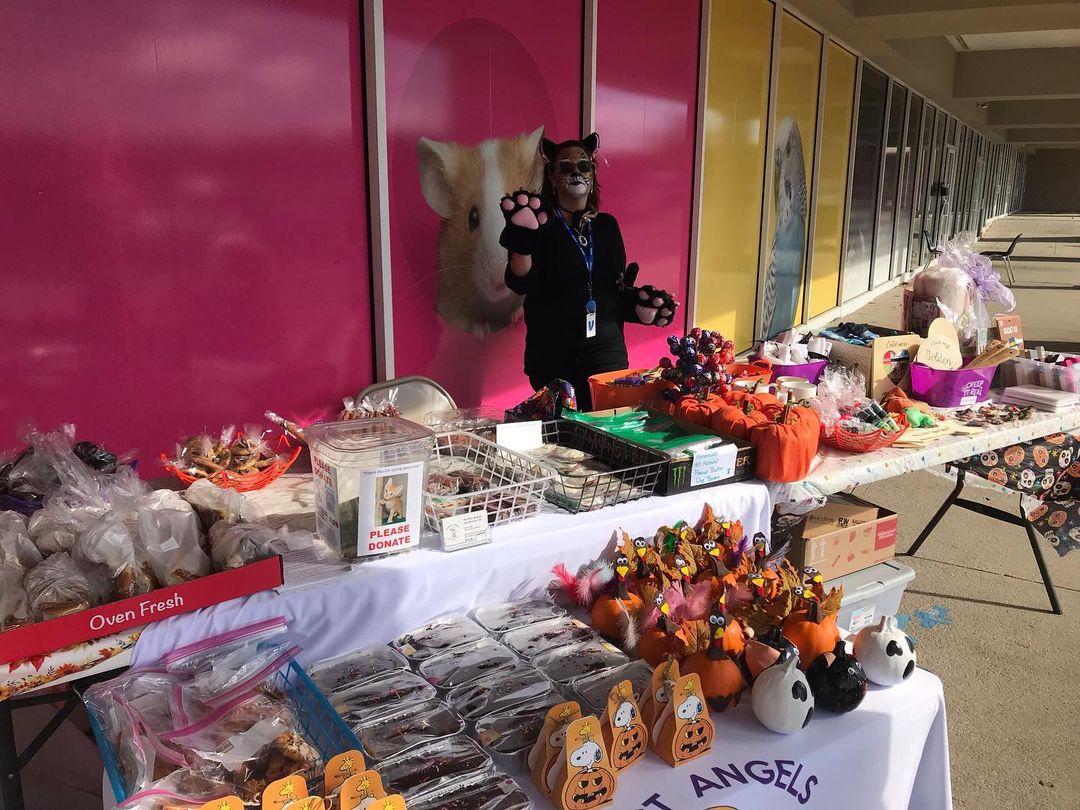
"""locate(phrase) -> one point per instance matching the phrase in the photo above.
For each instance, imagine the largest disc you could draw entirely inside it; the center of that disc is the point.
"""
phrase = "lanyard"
(586, 252)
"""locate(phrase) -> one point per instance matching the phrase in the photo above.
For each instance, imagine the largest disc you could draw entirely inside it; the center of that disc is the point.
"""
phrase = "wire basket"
(322, 726)
(517, 483)
(635, 472)
(864, 442)
(246, 482)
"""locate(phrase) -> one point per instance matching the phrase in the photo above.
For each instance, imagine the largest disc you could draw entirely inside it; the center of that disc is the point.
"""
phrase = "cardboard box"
(847, 534)
(884, 362)
(127, 614)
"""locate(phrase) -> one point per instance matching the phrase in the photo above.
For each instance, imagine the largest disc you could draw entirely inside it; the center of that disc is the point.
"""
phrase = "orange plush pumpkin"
(812, 632)
(609, 613)
(698, 411)
(786, 447)
(736, 420)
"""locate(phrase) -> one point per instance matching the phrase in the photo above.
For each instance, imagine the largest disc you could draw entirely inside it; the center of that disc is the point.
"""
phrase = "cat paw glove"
(523, 220)
(646, 304)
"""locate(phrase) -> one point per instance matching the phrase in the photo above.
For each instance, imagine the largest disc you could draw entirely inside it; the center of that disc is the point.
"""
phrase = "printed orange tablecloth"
(25, 675)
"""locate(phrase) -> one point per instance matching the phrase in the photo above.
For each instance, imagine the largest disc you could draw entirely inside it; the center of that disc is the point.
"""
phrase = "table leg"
(936, 519)
(11, 797)
(1033, 538)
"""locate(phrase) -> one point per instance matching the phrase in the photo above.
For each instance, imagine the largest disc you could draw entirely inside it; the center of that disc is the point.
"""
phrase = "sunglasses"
(569, 166)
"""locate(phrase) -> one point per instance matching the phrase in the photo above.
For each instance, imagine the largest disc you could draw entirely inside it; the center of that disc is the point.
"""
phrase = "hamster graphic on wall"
(463, 185)
(783, 279)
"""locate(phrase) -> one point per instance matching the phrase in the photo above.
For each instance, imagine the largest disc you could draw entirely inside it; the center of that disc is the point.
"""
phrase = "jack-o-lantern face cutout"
(590, 789)
(693, 729)
(693, 739)
(1014, 455)
(589, 780)
(625, 732)
(628, 747)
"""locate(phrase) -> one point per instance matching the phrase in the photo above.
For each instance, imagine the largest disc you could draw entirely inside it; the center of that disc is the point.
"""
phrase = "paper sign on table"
(466, 530)
(520, 436)
(941, 348)
(712, 465)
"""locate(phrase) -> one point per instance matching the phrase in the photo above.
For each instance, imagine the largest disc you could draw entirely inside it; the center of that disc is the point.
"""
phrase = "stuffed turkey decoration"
(886, 653)
(781, 698)
(837, 680)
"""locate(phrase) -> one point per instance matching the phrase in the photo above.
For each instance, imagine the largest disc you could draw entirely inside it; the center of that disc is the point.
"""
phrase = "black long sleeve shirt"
(555, 297)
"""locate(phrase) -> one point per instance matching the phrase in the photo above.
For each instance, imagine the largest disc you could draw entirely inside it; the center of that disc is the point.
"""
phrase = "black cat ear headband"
(549, 149)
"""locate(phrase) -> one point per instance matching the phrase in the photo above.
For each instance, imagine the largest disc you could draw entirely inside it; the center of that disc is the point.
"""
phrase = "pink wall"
(184, 231)
(646, 98)
(465, 73)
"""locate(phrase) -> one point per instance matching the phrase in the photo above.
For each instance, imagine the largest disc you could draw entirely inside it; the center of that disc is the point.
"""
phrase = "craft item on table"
(837, 680)
(656, 701)
(988, 415)
(786, 444)
(1041, 398)
(886, 653)
(994, 354)
(625, 735)
(421, 771)
(587, 779)
(339, 768)
(506, 616)
(781, 697)
(354, 668)
(612, 613)
(510, 734)
(941, 347)
(593, 690)
(535, 639)
(566, 664)
(407, 728)
(704, 651)
(361, 790)
(682, 730)
(498, 691)
(765, 650)
(466, 664)
(495, 791)
(370, 700)
(547, 403)
(812, 629)
(547, 762)
(436, 636)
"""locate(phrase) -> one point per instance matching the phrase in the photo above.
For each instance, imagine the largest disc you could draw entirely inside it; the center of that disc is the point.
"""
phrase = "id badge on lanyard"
(587, 257)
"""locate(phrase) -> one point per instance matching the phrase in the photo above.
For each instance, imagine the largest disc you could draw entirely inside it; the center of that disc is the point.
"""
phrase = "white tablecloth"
(835, 471)
(889, 754)
(383, 598)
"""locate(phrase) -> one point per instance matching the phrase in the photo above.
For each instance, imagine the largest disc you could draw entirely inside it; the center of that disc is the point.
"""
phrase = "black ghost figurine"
(837, 680)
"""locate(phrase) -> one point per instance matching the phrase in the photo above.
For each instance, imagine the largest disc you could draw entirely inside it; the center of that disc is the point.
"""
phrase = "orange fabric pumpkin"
(608, 616)
(786, 447)
(721, 680)
(698, 411)
(736, 420)
(812, 632)
(655, 646)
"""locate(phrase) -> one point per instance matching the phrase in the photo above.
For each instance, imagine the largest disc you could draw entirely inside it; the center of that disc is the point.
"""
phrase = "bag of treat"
(243, 670)
(17, 552)
(168, 531)
(236, 545)
(114, 561)
(57, 587)
(213, 504)
(183, 789)
(204, 654)
(56, 527)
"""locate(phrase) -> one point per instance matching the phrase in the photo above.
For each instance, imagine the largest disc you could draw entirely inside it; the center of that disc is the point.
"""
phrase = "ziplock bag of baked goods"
(168, 530)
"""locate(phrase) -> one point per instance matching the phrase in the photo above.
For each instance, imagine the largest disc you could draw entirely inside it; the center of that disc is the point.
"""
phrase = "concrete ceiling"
(1009, 68)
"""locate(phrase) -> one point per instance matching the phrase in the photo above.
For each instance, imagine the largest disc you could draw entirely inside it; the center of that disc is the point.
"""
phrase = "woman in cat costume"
(569, 262)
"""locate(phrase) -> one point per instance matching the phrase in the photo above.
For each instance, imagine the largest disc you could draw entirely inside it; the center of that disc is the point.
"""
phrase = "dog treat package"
(467, 663)
(566, 664)
(536, 639)
(545, 759)
(437, 636)
(588, 779)
(422, 771)
(494, 791)
(506, 616)
(593, 690)
(356, 667)
(233, 545)
(510, 734)
(416, 724)
(58, 587)
(498, 691)
(381, 696)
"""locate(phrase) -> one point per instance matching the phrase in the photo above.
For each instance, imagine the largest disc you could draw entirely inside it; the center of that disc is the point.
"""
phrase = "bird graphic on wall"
(783, 279)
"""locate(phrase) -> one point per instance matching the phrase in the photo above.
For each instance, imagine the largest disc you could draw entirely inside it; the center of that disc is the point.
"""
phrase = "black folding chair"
(933, 251)
(1005, 256)
(954, 499)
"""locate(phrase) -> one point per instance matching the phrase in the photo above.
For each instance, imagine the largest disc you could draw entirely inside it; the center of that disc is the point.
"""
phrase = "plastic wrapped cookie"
(397, 732)
(566, 664)
(499, 691)
(421, 771)
(535, 639)
(382, 696)
(437, 636)
(467, 663)
(356, 667)
(494, 791)
(506, 616)
(593, 690)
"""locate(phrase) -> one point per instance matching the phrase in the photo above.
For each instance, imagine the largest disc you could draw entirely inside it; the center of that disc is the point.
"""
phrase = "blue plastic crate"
(323, 726)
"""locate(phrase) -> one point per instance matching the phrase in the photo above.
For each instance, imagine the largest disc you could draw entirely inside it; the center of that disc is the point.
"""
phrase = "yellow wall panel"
(793, 154)
(832, 179)
(733, 166)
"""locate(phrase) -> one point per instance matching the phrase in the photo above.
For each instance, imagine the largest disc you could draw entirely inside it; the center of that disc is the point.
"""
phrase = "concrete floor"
(1008, 665)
